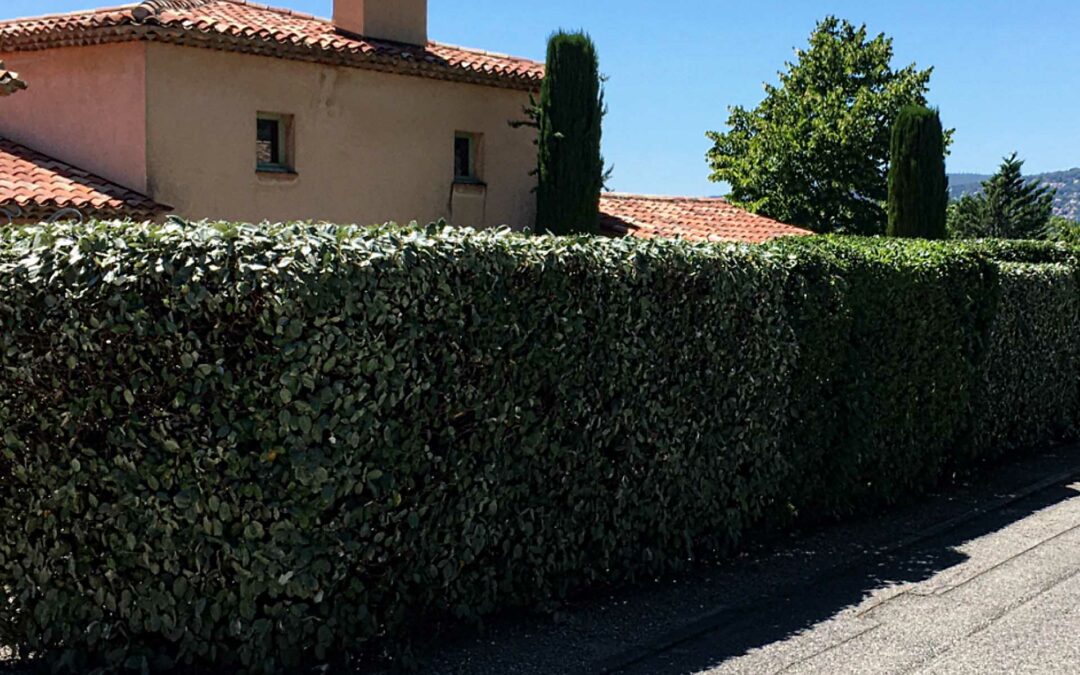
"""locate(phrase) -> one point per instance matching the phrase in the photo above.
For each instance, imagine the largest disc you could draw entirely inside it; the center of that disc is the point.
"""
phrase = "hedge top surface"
(22, 240)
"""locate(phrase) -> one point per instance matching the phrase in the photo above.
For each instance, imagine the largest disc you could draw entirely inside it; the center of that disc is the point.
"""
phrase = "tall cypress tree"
(918, 185)
(570, 172)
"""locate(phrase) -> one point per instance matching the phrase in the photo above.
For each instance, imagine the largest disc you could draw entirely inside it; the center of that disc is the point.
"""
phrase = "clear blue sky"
(1007, 72)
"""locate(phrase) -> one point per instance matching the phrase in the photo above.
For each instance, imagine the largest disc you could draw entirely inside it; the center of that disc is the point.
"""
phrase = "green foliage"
(1034, 334)
(570, 115)
(1023, 250)
(1009, 207)
(815, 152)
(918, 186)
(965, 218)
(1063, 230)
(890, 333)
(260, 447)
(1067, 184)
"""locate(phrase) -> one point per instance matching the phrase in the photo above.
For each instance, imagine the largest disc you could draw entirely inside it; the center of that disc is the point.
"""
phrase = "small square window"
(466, 157)
(273, 151)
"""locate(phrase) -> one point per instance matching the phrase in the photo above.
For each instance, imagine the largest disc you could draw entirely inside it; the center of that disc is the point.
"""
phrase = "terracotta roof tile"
(9, 81)
(690, 218)
(237, 25)
(35, 186)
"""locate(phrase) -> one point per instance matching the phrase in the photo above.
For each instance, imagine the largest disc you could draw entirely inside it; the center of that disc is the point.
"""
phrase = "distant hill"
(1067, 183)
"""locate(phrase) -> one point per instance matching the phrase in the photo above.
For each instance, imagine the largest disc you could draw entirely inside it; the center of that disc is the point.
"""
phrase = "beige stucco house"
(231, 110)
(225, 109)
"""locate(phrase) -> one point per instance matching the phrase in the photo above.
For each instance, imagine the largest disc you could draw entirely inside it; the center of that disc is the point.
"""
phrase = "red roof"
(690, 218)
(237, 25)
(34, 187)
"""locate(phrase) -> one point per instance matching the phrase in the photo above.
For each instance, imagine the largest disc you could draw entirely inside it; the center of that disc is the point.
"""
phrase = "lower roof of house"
(34, 186)
(689, 218)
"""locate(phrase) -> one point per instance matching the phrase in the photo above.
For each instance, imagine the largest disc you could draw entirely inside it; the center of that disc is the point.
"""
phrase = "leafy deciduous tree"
(815, 152)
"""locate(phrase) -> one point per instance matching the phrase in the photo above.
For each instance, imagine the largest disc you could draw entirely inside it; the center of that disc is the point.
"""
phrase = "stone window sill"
(276, 175)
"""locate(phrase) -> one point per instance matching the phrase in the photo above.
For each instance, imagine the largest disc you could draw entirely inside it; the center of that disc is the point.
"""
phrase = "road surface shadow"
(782, 615)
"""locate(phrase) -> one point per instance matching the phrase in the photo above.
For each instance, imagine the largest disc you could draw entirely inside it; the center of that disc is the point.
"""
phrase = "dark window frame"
(467, 169)
(280, 127)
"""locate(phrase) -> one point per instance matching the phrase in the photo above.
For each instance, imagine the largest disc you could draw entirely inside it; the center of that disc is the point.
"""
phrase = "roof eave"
(132, 32)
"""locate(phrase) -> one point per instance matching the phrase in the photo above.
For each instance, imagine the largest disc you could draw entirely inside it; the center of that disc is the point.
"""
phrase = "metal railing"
(13, 213)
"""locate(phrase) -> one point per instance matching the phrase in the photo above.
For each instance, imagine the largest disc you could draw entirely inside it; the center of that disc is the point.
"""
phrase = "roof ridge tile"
(154, 8)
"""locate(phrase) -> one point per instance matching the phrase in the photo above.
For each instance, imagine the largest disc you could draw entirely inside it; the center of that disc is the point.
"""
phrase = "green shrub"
(1024, 250)
(253, 446)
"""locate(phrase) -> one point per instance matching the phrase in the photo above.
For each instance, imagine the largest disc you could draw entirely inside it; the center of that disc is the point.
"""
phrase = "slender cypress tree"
(570, 171)
(918, 185)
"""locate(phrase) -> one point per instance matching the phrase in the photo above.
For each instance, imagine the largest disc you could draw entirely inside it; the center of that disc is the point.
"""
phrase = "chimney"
(394, 20)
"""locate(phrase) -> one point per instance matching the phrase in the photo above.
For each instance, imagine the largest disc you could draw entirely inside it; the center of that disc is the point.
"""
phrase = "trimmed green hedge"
(922, 356)
(255, 446)
(890, 333)
(1028, 387)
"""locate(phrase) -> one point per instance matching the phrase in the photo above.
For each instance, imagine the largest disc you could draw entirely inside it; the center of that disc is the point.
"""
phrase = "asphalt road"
(1004, 601)
(981, 577)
